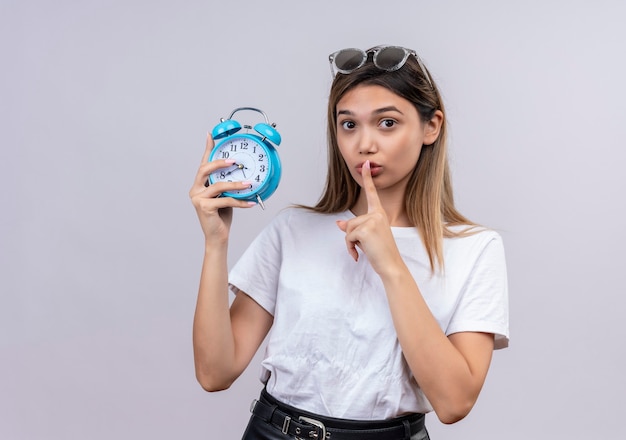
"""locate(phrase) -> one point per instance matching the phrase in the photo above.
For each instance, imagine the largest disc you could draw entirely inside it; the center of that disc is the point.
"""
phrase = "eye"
(348, 125)
(387, 123)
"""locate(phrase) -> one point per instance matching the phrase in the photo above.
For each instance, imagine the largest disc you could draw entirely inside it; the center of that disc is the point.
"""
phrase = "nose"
(367, 143)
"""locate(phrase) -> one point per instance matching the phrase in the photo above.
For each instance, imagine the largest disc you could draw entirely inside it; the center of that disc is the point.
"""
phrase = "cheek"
(414, 154)
(407, 146)
(342, 157)
(407, 154)
(344, 146)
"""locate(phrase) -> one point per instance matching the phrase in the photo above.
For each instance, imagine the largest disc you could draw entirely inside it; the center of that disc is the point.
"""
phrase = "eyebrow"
(390, 108)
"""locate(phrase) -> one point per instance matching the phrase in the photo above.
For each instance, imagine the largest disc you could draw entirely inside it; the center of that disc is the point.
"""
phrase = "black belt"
(307, 426)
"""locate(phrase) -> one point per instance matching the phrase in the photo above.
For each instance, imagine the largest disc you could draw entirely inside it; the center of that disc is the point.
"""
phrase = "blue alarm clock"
(255, 156)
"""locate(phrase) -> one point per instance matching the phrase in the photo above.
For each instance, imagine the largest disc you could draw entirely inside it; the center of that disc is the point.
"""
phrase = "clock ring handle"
(251, 109)
(267, 130)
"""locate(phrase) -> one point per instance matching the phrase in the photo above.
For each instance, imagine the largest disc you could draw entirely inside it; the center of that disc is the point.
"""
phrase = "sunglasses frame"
(334, 69)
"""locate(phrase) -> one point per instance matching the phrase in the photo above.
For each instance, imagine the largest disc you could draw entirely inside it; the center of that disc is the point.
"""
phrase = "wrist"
(394, 272)
(215, 244)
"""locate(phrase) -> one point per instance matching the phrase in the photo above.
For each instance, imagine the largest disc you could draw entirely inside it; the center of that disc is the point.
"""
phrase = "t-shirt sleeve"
(483, 305)
(257, 272)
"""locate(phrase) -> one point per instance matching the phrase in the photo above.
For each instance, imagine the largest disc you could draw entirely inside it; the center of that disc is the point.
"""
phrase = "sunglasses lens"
(349, 59)
(389, 58)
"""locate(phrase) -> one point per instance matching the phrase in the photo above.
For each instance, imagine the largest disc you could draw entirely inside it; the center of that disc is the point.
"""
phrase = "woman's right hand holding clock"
(215, 213)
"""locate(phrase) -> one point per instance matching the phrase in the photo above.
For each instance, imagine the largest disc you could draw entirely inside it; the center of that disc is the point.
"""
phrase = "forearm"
(213, 341)
(444, 374)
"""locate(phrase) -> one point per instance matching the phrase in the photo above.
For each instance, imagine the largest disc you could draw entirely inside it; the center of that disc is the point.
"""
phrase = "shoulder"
(470, 245)
(471, 235)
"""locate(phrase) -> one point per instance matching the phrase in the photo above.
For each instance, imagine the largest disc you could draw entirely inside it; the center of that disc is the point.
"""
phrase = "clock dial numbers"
(251, 163)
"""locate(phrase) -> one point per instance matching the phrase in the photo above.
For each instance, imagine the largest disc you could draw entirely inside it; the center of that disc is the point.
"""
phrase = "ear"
(432, 128)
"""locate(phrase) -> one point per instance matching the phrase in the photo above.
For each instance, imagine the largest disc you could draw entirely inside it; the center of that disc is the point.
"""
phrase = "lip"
(375, 168)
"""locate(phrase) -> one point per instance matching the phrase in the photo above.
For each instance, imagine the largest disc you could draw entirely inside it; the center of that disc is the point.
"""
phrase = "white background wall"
(104, 107)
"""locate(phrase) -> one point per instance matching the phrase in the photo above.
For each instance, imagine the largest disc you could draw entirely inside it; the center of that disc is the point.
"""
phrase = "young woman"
(384, 302)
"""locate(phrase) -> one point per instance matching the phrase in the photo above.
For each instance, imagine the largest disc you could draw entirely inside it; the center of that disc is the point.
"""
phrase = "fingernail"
(251, 203)
(229, 161)
(366, 164)
(246, 183)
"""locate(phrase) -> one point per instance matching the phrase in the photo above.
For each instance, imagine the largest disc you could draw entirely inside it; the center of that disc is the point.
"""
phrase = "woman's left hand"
(371, 231)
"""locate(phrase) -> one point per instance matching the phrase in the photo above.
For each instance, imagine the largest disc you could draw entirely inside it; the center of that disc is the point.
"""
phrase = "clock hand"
(237, 167)
(242, 167)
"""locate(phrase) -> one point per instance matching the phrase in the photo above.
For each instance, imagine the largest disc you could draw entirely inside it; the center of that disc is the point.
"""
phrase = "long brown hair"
(429, 201)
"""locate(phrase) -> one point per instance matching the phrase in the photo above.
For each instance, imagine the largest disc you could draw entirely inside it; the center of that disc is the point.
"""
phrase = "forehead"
(368, 98)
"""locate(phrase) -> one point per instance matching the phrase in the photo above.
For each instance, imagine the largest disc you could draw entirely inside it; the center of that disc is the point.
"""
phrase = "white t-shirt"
(333, 349)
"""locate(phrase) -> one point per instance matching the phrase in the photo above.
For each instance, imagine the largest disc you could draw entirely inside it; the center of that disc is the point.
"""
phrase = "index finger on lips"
(371, 195)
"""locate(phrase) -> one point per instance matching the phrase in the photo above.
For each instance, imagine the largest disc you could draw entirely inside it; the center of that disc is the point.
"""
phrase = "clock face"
(252, 163)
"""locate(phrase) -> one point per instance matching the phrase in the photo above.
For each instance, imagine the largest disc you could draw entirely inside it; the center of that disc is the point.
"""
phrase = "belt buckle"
(315, 423)
(253, 405)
